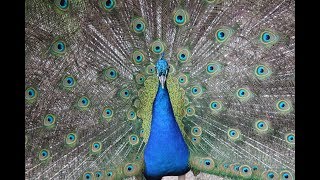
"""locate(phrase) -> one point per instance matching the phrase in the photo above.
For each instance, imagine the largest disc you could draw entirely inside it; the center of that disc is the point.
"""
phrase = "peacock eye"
(285, 175)
(270, 175)
(226, 166)
(210, 68)
(83, 102)
(96, 147)
(88, 175)
(196, 90)
(283, 106)
(262, 71)
(236, 167)
(125, 93)
(261, 126)
(215, 105)
(49, 120)
(133, 139)
(44, 154)
(131, 115)
(108, 5)
(266, 37)
(69, 82)
(141, 133)
(183, 79)
(139, 78)
(213, 68)
(71, 139)
(180, 17)
(233, 134)
(269, 38)
(190, 111)
(58, 48)
(137, 57)
(183, 55)
(245, 171)
(223, 34)
(62, 4)
(150, 69)
(196, 131)
(109, 174)
(107, 113)
(196, 139)
(207, 162)
(290, 138)
(30, 93)
(98, 174)
(157, 47)
(138, 25)
(110, 74)
(243, 94)
(255, 168)
(130, 168)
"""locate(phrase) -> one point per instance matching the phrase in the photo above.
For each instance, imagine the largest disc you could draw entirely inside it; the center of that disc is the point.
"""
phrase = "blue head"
(162, 68)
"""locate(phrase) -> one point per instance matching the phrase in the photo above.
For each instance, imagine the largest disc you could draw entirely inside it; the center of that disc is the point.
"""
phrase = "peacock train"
(145, 89)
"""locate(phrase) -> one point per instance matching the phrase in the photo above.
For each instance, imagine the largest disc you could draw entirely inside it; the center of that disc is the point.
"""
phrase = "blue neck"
(162, 112)
(166, 144)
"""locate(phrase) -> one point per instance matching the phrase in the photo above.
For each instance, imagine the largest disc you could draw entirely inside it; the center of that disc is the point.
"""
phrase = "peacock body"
(148, 89)
(166, 152)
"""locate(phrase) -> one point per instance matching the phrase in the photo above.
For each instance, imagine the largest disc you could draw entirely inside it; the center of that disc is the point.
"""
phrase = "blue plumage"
(166, 152)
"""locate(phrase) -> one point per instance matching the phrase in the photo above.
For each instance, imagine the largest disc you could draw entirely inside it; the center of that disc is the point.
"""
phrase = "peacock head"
(162, 68)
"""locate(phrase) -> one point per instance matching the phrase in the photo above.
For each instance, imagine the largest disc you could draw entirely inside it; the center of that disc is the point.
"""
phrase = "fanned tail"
(90, 84)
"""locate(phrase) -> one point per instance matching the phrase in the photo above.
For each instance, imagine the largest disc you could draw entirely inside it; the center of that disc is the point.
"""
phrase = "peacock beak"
(162, 80)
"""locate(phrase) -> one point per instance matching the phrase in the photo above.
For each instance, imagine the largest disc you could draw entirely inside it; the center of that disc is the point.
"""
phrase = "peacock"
(144, 89)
